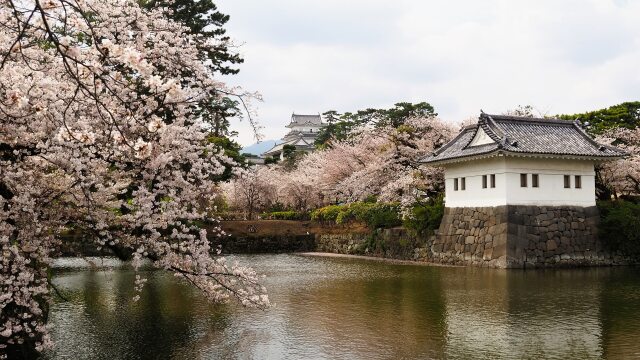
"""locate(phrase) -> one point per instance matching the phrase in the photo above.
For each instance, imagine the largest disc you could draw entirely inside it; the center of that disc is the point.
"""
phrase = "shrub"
(285, 215)
(380, 215)
(327, 213)
(426, 217)
(371, 199)
(620, 226)
(374, 215)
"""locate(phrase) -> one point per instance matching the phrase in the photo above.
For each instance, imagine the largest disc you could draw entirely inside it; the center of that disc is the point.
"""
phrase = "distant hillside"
(259, 148)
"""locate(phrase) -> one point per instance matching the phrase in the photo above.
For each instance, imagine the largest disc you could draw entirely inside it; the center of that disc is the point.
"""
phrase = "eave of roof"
(501, 152)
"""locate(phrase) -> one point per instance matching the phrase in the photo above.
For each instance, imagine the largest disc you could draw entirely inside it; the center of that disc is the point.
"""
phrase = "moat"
(352, 309)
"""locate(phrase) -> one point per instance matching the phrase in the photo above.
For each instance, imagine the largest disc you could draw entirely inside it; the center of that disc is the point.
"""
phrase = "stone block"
(499, 251)
(551, 245)
(533, 237)
(486, 255)
(500, 239)
(500, 262)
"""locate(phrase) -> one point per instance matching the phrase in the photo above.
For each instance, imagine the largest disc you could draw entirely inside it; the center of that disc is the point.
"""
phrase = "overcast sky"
(308, 56)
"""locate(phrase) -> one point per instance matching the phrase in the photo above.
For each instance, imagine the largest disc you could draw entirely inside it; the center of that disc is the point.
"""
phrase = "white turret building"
(520, 192)
(303, 133)
(510, 160)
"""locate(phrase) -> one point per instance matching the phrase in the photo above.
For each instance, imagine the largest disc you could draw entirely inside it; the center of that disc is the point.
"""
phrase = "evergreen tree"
(339, 127)
(626, 115)
(206, 23)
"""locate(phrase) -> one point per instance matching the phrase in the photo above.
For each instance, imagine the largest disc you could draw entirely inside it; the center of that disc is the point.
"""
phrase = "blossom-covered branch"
(98, 132)
(621, 177)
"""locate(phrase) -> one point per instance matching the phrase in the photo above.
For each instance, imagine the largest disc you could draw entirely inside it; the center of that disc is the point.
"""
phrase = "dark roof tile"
(521, 135)
(297, 119)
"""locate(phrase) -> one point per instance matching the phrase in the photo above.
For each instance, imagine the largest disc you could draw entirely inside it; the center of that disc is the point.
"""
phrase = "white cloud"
(461, 56)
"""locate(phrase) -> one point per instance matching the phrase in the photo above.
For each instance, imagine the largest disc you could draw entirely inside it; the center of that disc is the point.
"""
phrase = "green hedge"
(620, 226)
(327, 213)
(285, 215)
(375, 215)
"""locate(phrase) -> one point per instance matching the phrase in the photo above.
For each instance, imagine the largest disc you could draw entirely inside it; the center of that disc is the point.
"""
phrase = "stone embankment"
(276, 236)
(499, 237)
(521, 236)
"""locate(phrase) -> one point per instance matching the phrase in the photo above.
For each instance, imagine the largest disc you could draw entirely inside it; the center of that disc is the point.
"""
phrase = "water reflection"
(620, 314)
(355, 309)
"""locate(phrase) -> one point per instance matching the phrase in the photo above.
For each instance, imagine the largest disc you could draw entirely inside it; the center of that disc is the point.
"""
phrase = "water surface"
(352, 309)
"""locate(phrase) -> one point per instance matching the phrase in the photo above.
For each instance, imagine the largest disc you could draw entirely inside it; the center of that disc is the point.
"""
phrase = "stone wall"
(395, 243)
(500, 237)
(274, 236)
(264, 244)
(520, 236)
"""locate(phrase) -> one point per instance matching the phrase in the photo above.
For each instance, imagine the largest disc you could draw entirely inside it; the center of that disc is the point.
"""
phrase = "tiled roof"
(520, 136)
(300, 142)
(305, 120)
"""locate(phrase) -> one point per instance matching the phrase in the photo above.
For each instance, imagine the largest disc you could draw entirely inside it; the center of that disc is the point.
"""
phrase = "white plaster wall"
(307, 128)
(551, 189)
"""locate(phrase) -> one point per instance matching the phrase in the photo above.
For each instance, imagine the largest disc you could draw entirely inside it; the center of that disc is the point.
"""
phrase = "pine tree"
(214, 46)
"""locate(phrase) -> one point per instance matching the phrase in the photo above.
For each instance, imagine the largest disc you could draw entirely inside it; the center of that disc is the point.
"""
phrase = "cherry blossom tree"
(395, 174)
(621, 177)
(98, 133)
(249, 192)
(380, 161)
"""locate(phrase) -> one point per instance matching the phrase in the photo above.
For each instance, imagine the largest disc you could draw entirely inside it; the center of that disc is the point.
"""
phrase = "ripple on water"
(86, 263)
(353, 309)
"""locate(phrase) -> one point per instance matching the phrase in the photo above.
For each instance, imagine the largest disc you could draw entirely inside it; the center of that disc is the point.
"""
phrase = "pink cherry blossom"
(97, 133)
(622, 176)
(373, 161)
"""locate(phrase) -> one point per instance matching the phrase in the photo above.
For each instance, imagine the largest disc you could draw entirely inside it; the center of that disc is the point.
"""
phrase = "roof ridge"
(450, 143)
(482, 125)
(489, 123)
(530, 119)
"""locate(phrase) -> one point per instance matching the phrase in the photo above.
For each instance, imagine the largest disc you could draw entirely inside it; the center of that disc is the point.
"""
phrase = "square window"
(535, 181)
(455, 184)
(484, 181)
(463, 184)
(493, 180)
(567, 181)
(578, 182)
(523, 180)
